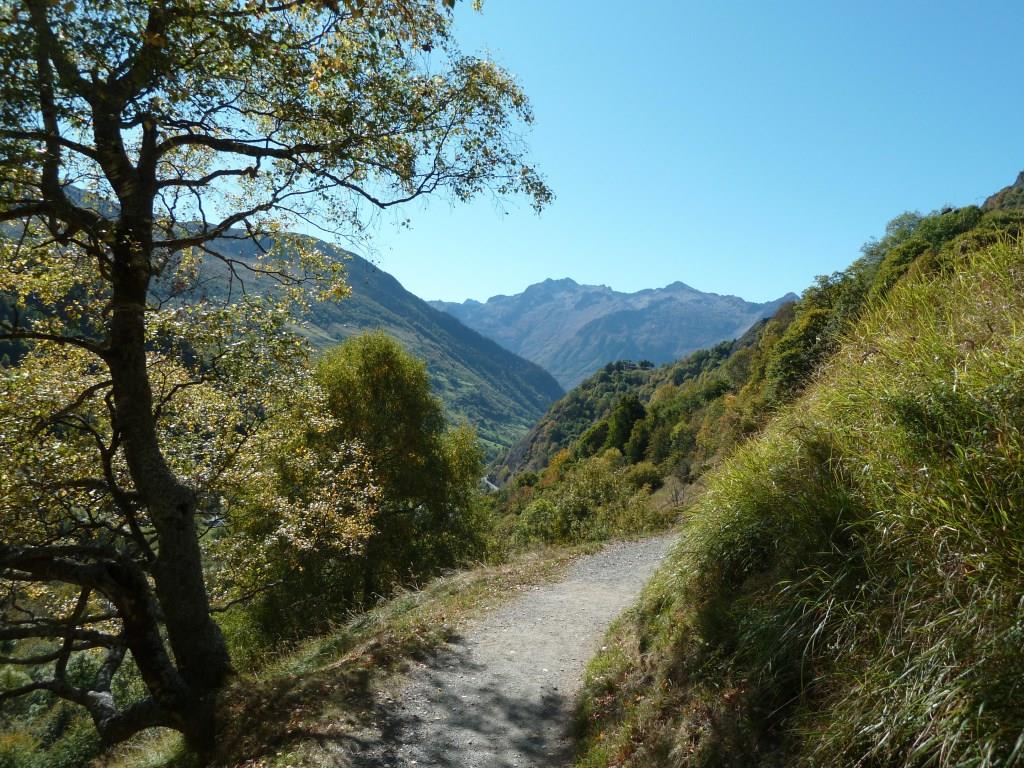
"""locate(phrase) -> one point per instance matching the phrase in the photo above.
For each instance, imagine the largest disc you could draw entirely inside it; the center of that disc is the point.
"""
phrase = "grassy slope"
(849, 590)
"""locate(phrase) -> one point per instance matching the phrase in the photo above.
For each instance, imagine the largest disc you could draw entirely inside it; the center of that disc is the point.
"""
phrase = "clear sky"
(740, 147)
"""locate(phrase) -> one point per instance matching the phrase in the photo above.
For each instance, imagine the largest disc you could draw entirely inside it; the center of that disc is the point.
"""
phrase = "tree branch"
(75, 341)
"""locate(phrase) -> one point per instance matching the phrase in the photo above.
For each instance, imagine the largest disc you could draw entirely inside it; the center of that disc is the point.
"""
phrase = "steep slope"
(847, 590)
(1008, 197)
(501, 394)
(572, 330)
(572, 415)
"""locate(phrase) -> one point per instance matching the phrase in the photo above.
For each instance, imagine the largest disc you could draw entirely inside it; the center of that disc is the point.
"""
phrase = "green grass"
(850, 589)
(300, 706)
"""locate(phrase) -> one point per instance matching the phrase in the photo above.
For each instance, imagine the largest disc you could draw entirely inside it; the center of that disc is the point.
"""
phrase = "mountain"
(572, 330)
(499, 393)
(1008, 197)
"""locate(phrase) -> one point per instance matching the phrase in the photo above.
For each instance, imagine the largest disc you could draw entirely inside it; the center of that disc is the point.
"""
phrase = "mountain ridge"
(572, 329)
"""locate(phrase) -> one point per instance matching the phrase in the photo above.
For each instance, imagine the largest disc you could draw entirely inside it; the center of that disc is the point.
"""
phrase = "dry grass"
(314, 698)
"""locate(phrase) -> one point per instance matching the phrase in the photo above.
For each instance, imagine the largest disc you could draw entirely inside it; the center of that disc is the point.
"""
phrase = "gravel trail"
(501, 694)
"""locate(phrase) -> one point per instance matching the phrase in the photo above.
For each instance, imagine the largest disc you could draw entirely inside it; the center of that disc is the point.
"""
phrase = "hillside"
(572, 330)
(848, 587)
(499, 393)
(593, 400)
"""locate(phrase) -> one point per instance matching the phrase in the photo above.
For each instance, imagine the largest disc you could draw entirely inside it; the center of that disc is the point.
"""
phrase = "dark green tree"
(627, 412)
(427, 473)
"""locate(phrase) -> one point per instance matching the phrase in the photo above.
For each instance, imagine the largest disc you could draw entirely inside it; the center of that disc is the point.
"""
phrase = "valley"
(262, 506)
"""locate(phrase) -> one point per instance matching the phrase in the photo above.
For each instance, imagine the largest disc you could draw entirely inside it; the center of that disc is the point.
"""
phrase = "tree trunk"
(199, 650)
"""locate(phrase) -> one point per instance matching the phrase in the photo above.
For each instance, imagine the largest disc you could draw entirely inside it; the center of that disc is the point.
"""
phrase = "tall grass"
(850, 590)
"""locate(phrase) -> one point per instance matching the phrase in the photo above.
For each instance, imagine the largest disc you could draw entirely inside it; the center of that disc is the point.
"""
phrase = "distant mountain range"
(572, 330)
(501, 394)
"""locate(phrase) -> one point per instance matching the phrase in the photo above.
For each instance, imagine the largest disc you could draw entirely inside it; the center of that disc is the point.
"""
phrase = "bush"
(644, 475)
(800, 350)
(539, 523)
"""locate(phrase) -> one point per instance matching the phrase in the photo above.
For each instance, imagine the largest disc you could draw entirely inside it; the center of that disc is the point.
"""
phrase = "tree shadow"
(442, 722)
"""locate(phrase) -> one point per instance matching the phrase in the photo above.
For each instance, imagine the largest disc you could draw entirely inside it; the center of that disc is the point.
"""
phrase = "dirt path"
(501, 694)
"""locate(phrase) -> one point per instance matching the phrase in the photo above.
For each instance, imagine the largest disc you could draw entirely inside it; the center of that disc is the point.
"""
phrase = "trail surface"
(501, 694)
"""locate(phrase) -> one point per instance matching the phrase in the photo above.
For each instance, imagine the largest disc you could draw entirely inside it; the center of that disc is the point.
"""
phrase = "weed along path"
(501, 694)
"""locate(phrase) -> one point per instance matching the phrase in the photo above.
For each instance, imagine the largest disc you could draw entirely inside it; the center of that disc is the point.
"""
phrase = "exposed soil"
(501, 693)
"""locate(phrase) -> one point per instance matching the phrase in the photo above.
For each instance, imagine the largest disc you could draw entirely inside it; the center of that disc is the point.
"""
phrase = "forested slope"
(499, 393)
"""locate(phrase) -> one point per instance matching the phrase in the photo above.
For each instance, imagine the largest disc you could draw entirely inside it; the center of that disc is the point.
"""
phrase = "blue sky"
(741, 147)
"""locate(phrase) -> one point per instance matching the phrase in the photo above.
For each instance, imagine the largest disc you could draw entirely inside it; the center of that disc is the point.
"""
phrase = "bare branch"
(43, 136)
(75, 341)
(56, 631)
(255, 592)
(76, 403)
(60, 669)
(43, 659)
(258, 148)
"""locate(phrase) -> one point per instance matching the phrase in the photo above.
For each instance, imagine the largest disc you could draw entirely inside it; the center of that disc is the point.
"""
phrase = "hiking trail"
(501, 693)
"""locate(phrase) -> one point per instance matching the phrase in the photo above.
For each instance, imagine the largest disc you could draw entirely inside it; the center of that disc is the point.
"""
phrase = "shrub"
(539, 523)
(644, 474)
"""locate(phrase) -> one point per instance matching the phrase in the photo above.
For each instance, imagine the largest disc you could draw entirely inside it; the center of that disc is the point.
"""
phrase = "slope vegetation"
(848, 590)
(586, 408)
(572, 415)
(690, 414)
(499, 393)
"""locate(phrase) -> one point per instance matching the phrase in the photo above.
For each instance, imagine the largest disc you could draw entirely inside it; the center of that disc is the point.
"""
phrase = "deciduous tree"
(138, 139)
(380, 395)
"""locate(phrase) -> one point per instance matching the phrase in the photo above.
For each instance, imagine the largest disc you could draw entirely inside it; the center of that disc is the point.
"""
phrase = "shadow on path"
(484, 719)
(502, 694)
